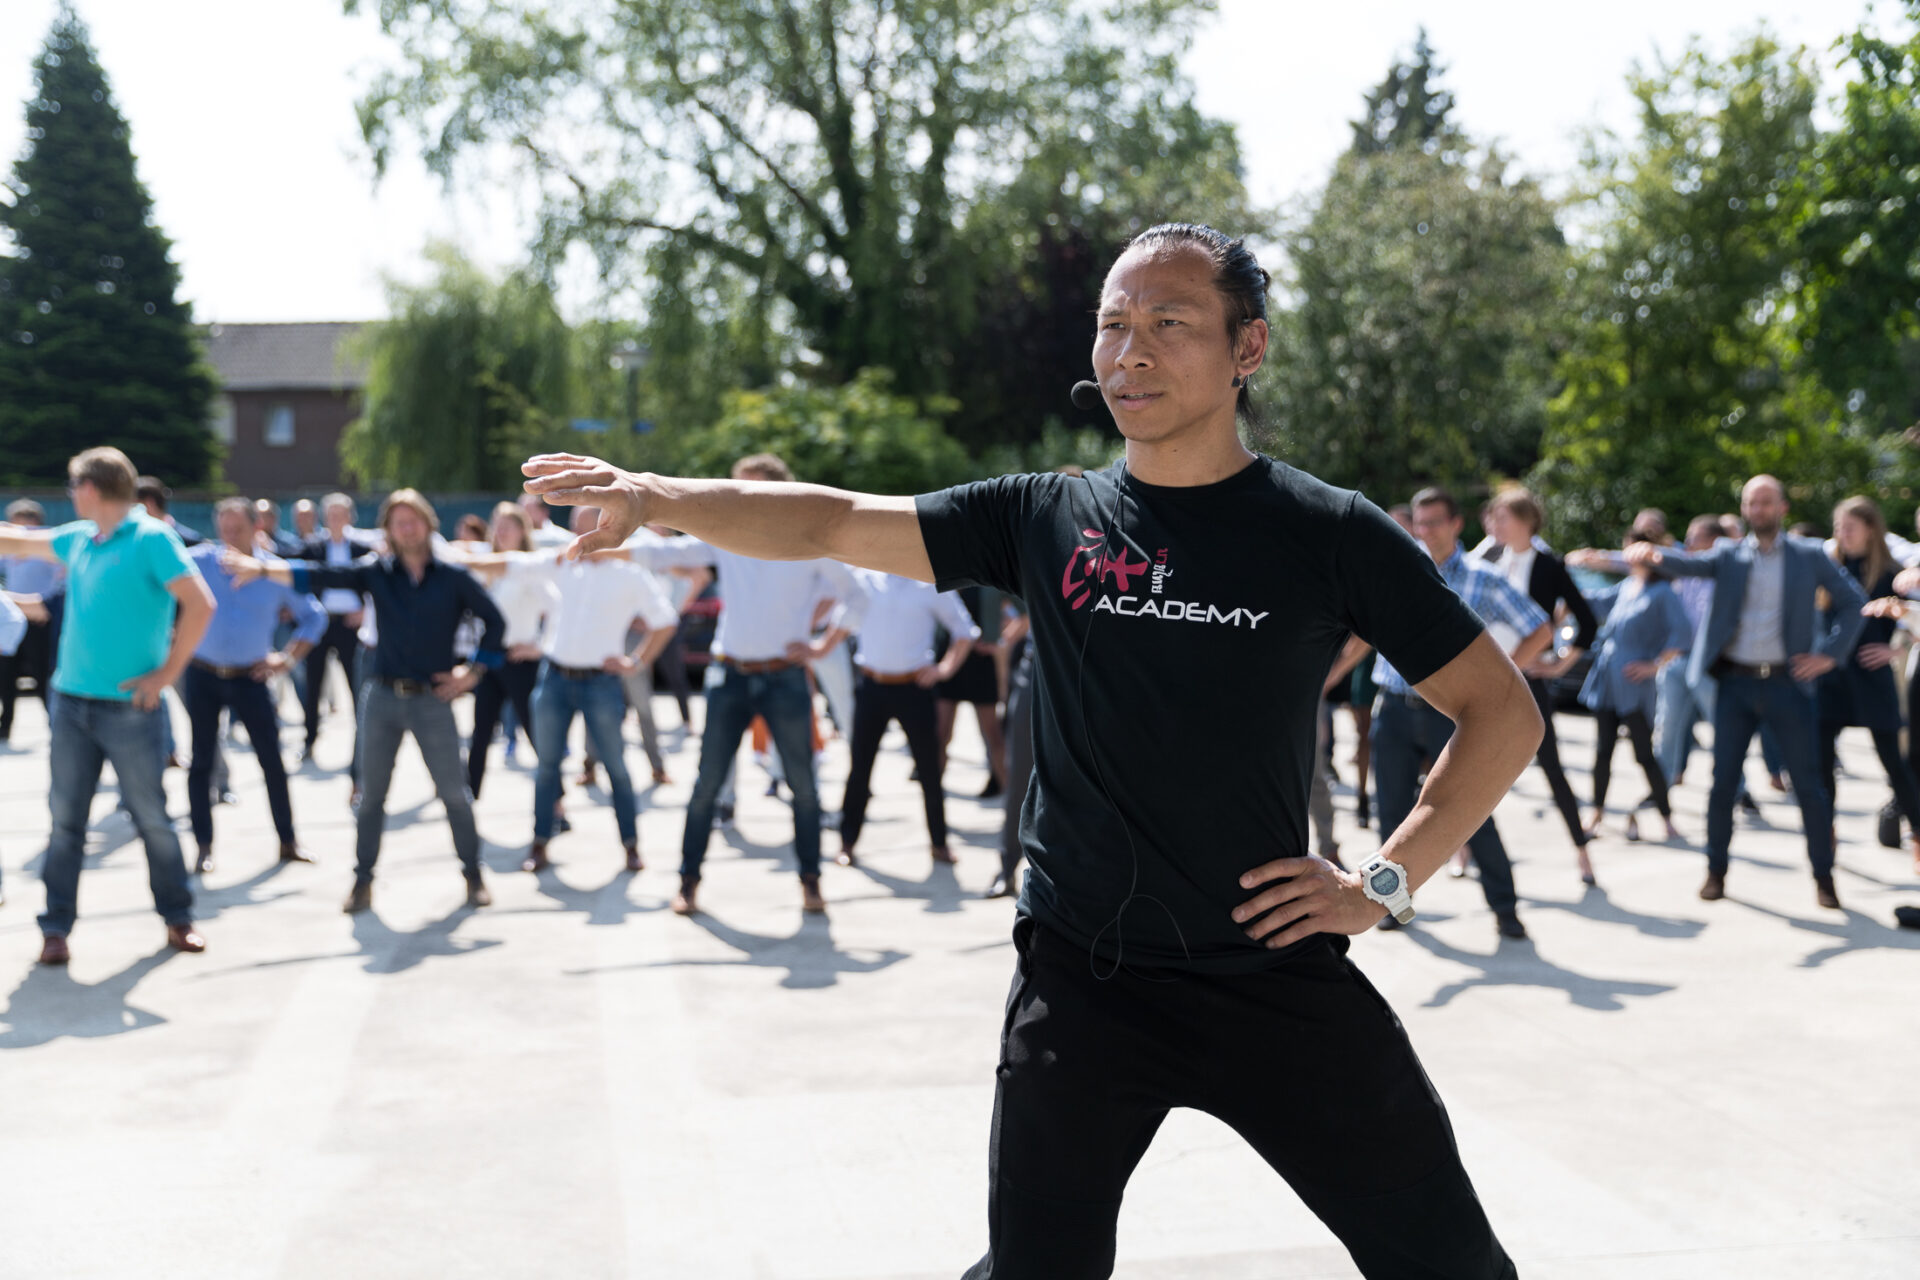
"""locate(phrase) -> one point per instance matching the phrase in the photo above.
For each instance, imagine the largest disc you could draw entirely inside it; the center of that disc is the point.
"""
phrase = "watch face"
(1385, 881)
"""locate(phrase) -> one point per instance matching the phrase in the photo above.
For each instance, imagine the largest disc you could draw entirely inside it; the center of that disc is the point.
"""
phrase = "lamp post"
(631, 357)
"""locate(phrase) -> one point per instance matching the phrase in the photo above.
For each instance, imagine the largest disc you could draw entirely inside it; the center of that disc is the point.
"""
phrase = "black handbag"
(1888, 830)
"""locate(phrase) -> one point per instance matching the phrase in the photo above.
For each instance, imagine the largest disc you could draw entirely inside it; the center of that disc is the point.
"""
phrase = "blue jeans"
(1404, 736)
(1677, 708)
(385, 718)
(1744, 705)
(87, 733)
(602, 702)
(733, 700)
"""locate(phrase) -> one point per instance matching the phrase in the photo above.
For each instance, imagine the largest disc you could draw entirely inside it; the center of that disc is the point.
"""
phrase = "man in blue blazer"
(1759, 642)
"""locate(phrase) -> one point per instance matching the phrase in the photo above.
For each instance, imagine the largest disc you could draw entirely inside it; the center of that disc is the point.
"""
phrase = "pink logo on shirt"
(1087, 566)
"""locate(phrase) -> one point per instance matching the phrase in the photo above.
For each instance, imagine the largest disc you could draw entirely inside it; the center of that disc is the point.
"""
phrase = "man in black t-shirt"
(1177, 946)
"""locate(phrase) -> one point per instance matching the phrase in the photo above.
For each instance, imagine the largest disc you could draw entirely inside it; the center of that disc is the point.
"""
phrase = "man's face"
(266, 517)
(585, 520)
(1763, 507)
(535, 510)
(235, 528)
(1437, 531)
(1161, 351)
(407, 532)
(86, 500)
(339, 516)
(152, 508)
(303, 521)
(1503, 528)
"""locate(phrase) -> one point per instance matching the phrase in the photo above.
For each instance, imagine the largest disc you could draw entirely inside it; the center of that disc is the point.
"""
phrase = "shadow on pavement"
(1518, 964)
(1595, 905)
(1857, 932)
(388, 951)
(941, 889)
(809, 955)
(49, 1004)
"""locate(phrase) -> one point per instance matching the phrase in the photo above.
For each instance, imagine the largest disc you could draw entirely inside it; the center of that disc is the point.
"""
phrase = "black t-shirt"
(1197, 645)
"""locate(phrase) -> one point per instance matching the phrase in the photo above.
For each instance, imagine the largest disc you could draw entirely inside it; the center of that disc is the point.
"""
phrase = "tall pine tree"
(1408, 109)
(95, 347)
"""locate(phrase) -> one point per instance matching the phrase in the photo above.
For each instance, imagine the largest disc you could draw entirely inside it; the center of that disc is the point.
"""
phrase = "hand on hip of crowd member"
(1314, 896)
(1641, 672)
(1885, 607)
(448, 685)
(1875, 656)
(570, 480)
(270, 666)
(802, 653)
(34, 611)
(524, 653)
(1810, 666)
(146, 689)
(927, 677)
(620, 665)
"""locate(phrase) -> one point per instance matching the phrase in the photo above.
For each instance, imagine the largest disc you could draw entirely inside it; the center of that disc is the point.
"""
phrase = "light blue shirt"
(13, 625)
(1486, 591)
(32, 576)
(765, 605)
(1643, 620)
(119, 620)
(244, 618)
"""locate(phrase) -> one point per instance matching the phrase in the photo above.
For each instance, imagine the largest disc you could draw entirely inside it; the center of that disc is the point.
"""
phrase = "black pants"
(1548, 758)
(873, 705)
(1089, 1068)
(1407, 732)
(513, 683)
(1019, 760)
(1607, 724)
(343, 642)
(34, 661)
(672, 664)
(248, 701)
(1886, 744)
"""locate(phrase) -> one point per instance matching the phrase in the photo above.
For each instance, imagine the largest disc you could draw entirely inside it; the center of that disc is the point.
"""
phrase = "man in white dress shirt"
(896, 678)
(761, 648)
(595, 602)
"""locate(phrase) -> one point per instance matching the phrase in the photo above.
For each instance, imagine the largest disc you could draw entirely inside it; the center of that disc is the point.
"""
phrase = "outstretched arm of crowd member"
(761, 519)
(1498, 729)
(30, 603)
(20, 540)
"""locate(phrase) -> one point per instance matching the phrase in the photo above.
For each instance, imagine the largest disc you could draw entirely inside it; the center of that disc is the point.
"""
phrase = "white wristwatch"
(1385, 881)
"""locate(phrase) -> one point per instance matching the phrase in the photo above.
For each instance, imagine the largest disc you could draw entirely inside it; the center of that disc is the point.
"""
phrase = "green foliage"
(95, 347)
(468, 377)
(860, 436)
(1429, 298)
(1688, 372)
(824, 188)
(1408, 110)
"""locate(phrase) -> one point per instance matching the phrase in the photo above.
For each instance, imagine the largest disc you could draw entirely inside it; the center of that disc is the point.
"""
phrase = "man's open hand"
(1314, 897)
(570, 480)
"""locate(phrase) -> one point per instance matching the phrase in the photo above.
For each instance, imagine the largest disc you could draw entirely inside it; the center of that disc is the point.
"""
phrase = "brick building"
(287, 392)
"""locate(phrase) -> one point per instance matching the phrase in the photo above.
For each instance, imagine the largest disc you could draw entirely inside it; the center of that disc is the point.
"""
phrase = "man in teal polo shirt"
(136, 610)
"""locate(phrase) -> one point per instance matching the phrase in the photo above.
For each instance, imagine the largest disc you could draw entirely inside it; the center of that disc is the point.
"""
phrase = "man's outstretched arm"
(761, 519)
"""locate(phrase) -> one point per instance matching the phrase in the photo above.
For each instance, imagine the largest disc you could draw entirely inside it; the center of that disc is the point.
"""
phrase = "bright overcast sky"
(242, 116)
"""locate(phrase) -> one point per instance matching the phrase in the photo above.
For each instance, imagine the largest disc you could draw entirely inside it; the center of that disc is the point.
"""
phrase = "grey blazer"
(1808, 567)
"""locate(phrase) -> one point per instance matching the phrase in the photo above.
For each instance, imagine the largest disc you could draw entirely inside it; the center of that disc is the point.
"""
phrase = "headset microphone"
(1086, 395)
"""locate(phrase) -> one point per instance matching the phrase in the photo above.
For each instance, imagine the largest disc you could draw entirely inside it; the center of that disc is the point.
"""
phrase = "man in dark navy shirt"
(420, 602)
(1177, 946)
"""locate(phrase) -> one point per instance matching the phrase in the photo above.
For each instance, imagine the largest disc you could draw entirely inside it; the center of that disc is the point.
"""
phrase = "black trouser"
(342, 641)
(673, 666)
(1548, 758)
(1407, 732)
(1607, 724)
(512, 682)
(1089, 1068)
(32, 660)
(1886, 744)
(1019, 760)
(248, 701)
(873, 705)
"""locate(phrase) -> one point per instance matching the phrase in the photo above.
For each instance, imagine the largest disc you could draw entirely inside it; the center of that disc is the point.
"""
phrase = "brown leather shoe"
(477, 895)
(181, 937)
(204, 862)
(361, 899)
(685, 902)
(1715, 888)
(536, 859)
(1823, 893)
(943, 854)
(660, 778)
(633, 856)
(53, 949)
(810, 900)
(294, 853)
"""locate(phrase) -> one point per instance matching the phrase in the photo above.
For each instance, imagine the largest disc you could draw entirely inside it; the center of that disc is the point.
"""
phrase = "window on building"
(279, 428)
(221, 422)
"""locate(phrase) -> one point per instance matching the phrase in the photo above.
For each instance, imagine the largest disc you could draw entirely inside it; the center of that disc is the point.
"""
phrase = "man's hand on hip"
(1314, 897)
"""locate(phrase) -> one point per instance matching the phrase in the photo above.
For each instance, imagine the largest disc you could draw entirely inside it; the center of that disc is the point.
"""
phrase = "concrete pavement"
(575, 1082)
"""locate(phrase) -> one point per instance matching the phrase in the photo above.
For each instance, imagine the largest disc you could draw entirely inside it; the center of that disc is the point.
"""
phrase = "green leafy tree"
(1687, 374)
(825, 188)
(95, 346)
(860, 435)
(469, 376)
(1427, 289)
